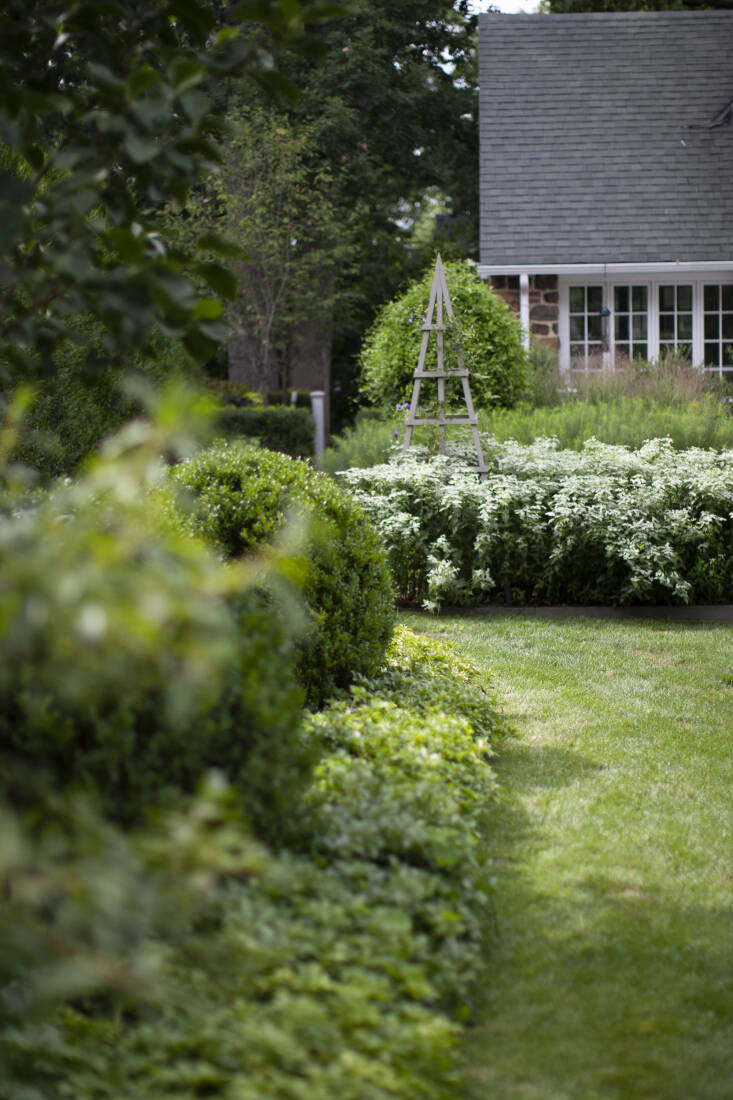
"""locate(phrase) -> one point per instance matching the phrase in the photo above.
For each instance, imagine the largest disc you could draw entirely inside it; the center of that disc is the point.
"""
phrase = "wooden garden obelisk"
(437, 319)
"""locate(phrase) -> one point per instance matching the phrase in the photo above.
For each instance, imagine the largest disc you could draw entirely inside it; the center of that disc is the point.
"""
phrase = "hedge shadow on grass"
(548, 767)
(602, 984)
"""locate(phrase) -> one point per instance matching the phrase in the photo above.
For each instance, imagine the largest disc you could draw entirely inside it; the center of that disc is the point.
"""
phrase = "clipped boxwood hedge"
(242, 498)
(278, 428)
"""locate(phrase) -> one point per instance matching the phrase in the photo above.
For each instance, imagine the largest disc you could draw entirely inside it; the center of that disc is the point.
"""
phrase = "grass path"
(612, 970)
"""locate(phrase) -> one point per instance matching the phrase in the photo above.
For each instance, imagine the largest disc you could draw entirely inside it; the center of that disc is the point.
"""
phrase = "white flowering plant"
(605, 525)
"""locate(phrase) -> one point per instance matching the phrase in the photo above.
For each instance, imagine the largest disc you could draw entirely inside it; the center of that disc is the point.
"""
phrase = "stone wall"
(543, 303)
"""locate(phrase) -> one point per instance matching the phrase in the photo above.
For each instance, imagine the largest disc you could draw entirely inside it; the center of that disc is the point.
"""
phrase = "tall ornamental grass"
(628, 421)
(668, 380)
(606, 525)
(625, 420)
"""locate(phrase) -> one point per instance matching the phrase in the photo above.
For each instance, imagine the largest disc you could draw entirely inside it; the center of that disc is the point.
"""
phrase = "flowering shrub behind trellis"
(606, 525)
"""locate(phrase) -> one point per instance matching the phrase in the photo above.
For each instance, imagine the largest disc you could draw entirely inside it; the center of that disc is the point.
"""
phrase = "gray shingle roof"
(593, 146)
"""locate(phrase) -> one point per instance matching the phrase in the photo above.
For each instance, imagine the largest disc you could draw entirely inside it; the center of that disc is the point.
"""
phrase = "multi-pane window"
(630, 322)
(675, 320)
(718, 328)
(586, 325)
(610, 323)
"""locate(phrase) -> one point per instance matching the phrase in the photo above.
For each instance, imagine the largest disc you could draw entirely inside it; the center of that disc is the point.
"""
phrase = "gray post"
(318, 404)
(524, 309)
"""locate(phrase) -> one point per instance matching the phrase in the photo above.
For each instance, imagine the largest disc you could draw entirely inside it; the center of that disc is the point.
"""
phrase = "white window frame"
(652, 280)
(629, 283)
(721, 340)
(584, 313)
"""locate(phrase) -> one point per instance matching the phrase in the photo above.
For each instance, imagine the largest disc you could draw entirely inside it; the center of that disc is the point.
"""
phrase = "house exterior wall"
(544, 316)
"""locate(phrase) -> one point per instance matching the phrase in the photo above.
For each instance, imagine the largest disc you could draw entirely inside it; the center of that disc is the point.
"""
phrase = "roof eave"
(681, 267)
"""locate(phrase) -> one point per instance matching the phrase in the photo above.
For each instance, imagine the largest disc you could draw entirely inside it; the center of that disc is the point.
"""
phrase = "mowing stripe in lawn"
(611, 973)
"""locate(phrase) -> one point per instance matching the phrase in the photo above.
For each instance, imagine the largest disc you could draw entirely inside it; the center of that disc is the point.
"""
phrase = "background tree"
(392, 111)
(275, 198)
(104, 114)
(110, 110)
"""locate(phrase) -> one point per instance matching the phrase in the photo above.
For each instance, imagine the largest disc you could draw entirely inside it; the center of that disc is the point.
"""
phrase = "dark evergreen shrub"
(233, 393)
(280, 397)
(243, 497)
(278, 428)
(76, 407)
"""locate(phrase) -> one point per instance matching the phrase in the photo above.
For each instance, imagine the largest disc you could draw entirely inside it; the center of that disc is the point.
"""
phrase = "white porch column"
(319, 415)
(524, 308)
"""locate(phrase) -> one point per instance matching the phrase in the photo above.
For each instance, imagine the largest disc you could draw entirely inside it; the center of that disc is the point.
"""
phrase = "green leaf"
(171, 289)
(140, 149)
(35, 156)
(232, 52)
(221, 279)
(105, 77)
(143, 78)
(185, 73)
(208, 309)
(291, 9)
(14, 192)
(9, 133)
(279, 86)
(195, 104)
(196, 18)
(316, 12)
(152, 114)
(178, 190)
(215, 331)
(199, 345)
(130, 248)
(67, 159)
(222, 246)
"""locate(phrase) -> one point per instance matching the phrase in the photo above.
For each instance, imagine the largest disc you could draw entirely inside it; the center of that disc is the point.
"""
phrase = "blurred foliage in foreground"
(131, 658)
(308, 918)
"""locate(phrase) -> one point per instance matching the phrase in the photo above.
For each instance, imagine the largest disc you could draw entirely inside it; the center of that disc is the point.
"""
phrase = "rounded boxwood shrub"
(490, 338)
(243, 495)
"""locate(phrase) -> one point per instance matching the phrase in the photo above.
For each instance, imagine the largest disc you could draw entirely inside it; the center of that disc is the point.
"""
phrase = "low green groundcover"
(190, 961)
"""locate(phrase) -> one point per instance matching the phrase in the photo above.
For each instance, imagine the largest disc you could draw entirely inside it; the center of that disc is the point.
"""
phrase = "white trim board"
(687, 267)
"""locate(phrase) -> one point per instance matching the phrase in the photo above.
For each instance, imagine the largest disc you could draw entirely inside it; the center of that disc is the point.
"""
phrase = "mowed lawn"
(611, 971)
